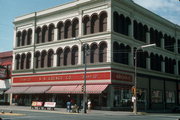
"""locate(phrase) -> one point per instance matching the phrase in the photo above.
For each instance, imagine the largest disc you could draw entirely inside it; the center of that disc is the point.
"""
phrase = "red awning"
(6, 63)
(17, 90)
(64, 89)
(93, 89)
(37, 89)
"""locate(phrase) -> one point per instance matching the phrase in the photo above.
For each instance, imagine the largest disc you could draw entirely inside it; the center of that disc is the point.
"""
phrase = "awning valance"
(37, 89)
(77, 89)
(17, 90)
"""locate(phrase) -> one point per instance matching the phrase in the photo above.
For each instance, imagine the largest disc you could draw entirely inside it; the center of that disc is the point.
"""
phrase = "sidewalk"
(62, 110)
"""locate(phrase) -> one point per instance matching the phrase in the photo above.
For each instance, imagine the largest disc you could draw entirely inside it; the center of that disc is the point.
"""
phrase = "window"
(86, 28)
(103, 52)
(74, 56)
(59, 57)
(50, 58)
(157, 96)
(75, 27)
(29, 37)
(103, 22)
(51, 33)
(170, 97)
(68, 31)
(60, 27)
(28, 61)
(94, 24)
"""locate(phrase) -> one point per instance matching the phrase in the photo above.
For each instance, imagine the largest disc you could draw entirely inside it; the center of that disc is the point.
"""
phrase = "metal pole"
(84, 85)
(135, 82)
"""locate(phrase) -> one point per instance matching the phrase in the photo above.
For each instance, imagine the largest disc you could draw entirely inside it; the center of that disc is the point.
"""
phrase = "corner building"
(48, 56)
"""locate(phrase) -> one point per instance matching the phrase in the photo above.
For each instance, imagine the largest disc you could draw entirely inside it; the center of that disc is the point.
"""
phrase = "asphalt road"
(22, 114)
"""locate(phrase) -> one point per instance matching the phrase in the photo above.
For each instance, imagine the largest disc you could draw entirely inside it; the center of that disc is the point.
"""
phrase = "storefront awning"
(17, 90)
(37, 89)
(64, 89)
(77, 89)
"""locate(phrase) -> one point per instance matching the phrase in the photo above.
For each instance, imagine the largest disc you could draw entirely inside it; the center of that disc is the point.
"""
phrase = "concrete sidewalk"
(62, 110)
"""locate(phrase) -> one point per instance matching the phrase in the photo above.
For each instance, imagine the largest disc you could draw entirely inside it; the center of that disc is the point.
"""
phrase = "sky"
(9, 9)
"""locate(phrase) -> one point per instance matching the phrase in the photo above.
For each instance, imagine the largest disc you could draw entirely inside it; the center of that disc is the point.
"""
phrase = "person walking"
(89, 105)
(68, 106)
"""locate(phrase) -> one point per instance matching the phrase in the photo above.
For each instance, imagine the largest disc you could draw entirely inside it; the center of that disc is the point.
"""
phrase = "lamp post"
(85, 67)
(135, 75)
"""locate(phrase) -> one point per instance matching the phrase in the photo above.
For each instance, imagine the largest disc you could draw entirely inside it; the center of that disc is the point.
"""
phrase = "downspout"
(34, 45)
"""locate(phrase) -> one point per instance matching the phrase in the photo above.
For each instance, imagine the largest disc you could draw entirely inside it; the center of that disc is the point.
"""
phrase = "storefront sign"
(122, 77)
(49, 104)
(36, 104)
(67, 77)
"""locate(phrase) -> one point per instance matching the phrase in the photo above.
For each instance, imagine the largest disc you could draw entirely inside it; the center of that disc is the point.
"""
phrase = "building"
(49, 46)
(5, 75)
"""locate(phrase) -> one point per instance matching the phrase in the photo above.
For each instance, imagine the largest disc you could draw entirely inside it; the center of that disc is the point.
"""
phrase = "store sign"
(66, 77)
(3, 73)
(50, 104)
(122, 77)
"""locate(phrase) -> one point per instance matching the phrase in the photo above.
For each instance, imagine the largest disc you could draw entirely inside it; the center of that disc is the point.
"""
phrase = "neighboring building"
(48, 55)
(5, 75)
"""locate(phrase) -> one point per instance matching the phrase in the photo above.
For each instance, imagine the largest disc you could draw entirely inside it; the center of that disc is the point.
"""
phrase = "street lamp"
(85, 67)
(135, 75)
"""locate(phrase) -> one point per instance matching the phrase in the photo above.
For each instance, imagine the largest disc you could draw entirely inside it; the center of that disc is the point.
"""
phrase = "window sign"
(157, 96)
(170, 97)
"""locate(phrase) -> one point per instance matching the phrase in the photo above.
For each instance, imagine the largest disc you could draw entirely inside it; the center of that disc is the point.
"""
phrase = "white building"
(48, 55)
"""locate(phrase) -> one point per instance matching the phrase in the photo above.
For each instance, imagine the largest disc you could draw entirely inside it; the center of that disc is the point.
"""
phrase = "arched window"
(23, 61)
(103, 52)
(18, 39)
(94, 53)
(121, 53)
(126, 54)
(135, 30)
(43, 59)
(116, 21)
(24, 38)
(75, 27)
(44, 34)
(103, 21)
(17, 61)
(28, 61)
(60, 57)
(145, 30)
(67, 56)
(39, 35)
(68, 29)
(50, 58)
(29, 37)
(51, 32)
(86, 25)
(74, 55)
(60, 27)
(140, 32)
(115, 52)
(152, 36)
(37, 59)
(94, 23)
(127, 26)
(122, 24)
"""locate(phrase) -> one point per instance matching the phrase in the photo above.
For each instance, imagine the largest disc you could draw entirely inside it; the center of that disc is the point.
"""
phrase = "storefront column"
(162, 43)
(55, 34)
(14, 62)
(32, 60)
(148, 37)
(80, 54)
(131, 30)
(55, 60)
(163, 66)
(15, 40)
(10, 98)
(109, 19)
(80, 23)
(110, 99)
(109, 51)
(148, 63)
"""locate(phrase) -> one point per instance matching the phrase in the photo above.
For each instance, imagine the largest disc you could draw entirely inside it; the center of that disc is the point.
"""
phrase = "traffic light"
(133, 89)
(82, 88)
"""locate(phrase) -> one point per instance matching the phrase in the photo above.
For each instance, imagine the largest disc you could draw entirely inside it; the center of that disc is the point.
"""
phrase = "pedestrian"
(68, 106)
(89, 105)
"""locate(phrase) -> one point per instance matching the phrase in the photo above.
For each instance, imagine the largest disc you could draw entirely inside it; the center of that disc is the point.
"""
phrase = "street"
(25, 113)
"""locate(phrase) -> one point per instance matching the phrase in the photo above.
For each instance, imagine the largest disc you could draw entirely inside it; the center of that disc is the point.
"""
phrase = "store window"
(157, 96)
(141, 95)
(122, 97)
(170, 97)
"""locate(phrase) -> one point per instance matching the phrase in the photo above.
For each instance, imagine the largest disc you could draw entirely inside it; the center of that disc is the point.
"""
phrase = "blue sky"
(9, 9)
